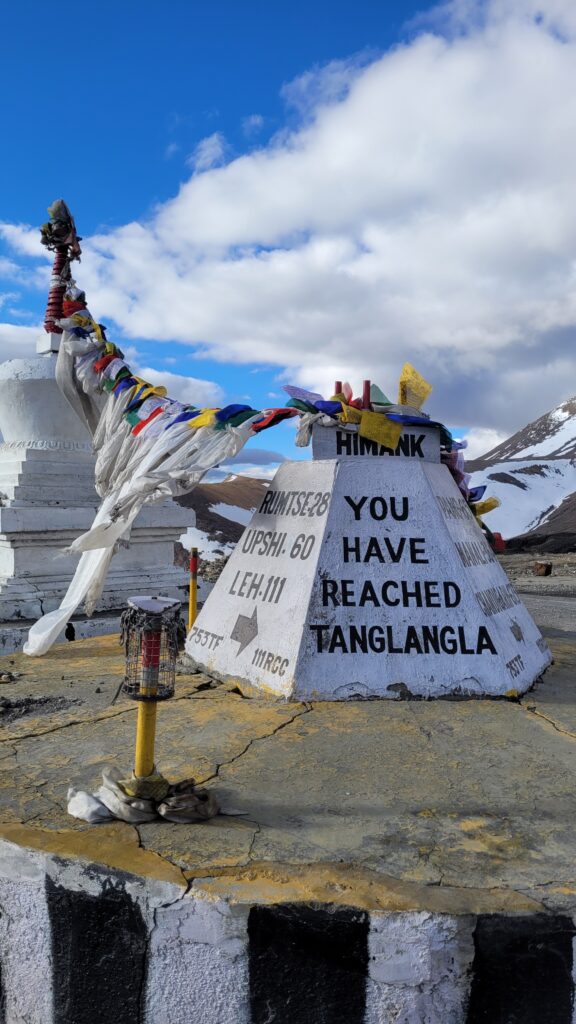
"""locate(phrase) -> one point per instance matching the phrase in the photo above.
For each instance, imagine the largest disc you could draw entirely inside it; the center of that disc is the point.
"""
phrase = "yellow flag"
(377, 427)
(350, 415)
(480, 508)
(205, 419)
(413, 389)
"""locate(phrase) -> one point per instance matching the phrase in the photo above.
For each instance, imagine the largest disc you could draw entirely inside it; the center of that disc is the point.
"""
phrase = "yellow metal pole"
(146, 723)
(193, 599)
(145, 737)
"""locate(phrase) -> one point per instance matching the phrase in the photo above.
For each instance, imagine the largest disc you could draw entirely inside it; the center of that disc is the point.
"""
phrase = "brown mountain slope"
(243, 491)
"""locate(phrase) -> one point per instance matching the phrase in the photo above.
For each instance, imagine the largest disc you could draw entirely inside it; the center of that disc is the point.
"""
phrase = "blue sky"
(286, 191)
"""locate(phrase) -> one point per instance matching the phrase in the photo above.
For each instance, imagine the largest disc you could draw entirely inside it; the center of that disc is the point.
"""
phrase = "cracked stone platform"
(419, 820)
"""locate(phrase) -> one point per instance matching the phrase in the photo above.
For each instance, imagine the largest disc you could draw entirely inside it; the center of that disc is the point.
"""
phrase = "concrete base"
(378, 862)
(119, 948)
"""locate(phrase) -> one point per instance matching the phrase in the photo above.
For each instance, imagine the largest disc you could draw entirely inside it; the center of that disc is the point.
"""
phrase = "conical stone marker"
(364, 574)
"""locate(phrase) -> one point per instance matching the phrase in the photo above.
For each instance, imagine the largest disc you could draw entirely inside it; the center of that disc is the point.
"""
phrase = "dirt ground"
(561, 582)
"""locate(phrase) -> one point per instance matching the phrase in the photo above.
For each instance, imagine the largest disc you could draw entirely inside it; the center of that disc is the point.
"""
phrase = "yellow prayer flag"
(377, 427)
(350, 415)
(480, 508)
(413, 389)
(205, 419)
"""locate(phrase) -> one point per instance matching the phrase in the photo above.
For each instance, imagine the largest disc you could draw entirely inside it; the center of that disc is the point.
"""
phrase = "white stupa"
(365, 574)
(47, 498)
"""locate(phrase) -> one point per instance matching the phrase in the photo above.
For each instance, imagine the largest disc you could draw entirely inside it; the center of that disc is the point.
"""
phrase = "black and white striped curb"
(83, 945)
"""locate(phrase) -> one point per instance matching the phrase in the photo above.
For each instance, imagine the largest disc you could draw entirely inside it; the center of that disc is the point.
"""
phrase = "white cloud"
(481, 441)
(202, 393)
(23, 239)
(257, 457)
(18, 342)
(421, 206)
(209, 152)
(252, 124)
(322, 85)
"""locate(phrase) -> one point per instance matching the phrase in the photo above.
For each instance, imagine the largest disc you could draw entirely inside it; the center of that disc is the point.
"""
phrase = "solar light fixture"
(150, 636)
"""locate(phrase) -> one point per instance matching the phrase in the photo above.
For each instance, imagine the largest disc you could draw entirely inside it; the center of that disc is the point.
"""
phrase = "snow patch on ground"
(561, 439)
(529, 492)
(209, 550)
(233, 512)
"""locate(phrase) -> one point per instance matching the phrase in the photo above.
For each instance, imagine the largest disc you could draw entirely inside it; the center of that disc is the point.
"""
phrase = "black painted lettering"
(366, 446)
(415, 594)
(475, 552)
(392, 649)
(497, 599)
(344, 442)
(485, 642)
(358, 640)
(403, 446)
(291, 496)
(378, 509)
(417, 551)
(355, 505)
(376, 639)
(337, 641)
(395, 552)
(416, 446)
(368, 595)
(454, 508)
(275, 543)
(351, 547)
(255, 584)
(430, 639)
(452, 595)
(448, 641)
(373, 550)
(232, 590)
(320, 631)
(462, 638)
(412, 641)
(306, 502)
(330, 593)
(515, 666)
(281, 503)
(386, 587)
(431, 594)
(400, 515)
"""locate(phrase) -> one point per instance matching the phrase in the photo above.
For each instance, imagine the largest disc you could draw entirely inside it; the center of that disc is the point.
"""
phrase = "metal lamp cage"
(150, 628)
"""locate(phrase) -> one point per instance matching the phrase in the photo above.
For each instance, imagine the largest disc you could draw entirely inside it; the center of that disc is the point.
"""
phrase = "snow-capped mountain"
(533, 474)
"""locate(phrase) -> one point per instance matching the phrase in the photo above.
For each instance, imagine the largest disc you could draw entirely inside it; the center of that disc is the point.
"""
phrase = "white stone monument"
(47, 498)
(364, 574)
